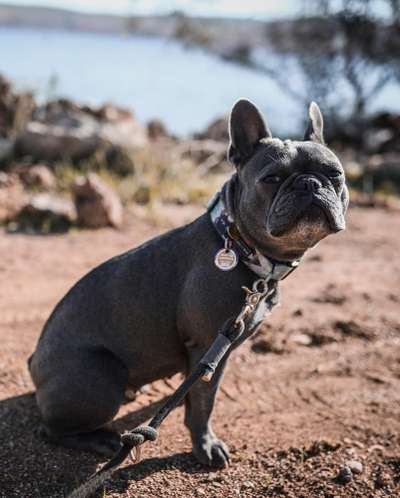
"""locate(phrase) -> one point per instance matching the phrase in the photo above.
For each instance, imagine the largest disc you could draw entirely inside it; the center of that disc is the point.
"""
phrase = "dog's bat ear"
(246, 128)
(315, 128)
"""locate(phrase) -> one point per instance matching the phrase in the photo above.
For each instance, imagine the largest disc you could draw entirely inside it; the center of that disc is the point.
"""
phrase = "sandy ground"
(317, 388)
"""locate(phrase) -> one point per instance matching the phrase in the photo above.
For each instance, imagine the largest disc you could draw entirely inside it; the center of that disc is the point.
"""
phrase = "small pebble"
(355, 466)
(345, 475)
(301, 339)
(248, 484)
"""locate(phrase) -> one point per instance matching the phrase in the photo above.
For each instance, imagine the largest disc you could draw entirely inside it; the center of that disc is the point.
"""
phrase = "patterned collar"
(224, 224)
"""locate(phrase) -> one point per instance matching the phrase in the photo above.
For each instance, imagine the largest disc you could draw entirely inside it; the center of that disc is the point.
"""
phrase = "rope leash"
(231, 331)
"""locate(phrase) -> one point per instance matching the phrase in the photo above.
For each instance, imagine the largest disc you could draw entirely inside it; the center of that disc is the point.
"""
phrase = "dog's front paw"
(211, 451)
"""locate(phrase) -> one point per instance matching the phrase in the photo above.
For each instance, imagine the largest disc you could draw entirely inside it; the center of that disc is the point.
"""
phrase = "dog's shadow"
(33, 468)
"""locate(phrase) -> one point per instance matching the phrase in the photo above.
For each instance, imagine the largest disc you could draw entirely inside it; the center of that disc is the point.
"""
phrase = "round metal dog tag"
(226, 259)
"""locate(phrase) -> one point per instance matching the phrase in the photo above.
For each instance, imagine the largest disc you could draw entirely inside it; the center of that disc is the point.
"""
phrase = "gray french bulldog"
(154, 311)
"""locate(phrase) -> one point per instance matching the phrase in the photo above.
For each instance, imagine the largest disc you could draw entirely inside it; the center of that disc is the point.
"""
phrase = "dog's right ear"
(246, 128)
(315, 127)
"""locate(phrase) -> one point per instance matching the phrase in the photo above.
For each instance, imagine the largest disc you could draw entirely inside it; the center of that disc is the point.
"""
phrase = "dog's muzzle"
(296, 198)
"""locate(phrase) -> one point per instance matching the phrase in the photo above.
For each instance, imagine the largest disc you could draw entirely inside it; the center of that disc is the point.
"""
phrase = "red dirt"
(317, 387)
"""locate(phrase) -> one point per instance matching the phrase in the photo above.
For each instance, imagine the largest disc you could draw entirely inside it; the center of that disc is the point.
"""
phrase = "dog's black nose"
(307, 183)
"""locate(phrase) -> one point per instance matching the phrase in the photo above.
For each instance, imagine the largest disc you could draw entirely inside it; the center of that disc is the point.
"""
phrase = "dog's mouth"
(316, 213)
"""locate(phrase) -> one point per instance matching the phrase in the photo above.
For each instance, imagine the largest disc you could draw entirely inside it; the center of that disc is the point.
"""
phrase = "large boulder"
(44, 142)
(63, 130)
(97, 205)
(120, 128)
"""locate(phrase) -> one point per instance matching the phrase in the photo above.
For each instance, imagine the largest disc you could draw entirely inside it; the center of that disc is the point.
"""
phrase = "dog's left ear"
(246, 128)
(315, 128)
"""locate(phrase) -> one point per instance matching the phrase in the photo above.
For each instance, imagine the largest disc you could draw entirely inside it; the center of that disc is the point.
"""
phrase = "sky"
(263, 9)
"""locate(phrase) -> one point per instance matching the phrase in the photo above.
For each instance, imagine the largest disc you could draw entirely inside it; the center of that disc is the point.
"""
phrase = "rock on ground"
(46, 213)
(96, 203)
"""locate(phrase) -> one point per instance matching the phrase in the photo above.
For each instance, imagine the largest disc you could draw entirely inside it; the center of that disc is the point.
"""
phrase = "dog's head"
(291, 194)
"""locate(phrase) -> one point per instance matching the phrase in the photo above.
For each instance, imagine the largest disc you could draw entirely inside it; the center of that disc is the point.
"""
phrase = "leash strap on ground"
(231, 331)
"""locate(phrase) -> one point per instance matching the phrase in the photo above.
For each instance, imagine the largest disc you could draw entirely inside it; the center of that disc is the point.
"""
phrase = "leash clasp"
(259, 290)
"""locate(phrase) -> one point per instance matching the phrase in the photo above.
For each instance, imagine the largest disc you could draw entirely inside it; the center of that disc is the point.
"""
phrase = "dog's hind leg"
(78, 396)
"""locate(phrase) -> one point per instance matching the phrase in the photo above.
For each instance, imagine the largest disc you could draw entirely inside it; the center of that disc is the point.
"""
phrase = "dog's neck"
(222, 213)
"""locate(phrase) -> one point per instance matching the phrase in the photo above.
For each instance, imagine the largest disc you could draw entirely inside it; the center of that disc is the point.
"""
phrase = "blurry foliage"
(52, 87)
(346, 55)
(111, 163)
(15, 109)
(240, 54)
(189, 31)
(158, 176)
(376, 182)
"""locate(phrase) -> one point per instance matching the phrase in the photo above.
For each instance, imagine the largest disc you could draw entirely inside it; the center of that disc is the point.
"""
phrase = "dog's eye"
(271, 179)
(335, 173)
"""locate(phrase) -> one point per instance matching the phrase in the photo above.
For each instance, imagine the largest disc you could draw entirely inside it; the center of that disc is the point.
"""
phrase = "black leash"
(230, 333)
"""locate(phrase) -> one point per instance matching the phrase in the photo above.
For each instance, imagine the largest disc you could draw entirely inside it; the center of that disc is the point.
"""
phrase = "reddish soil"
(318, 387)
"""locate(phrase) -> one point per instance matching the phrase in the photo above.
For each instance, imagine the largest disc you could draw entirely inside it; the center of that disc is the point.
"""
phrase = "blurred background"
(138, 91)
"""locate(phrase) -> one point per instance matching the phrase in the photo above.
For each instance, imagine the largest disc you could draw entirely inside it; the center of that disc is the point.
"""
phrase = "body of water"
(185, 88)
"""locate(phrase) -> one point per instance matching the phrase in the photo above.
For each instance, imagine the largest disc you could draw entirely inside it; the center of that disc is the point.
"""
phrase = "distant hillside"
(219, 35)
(53, 18)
